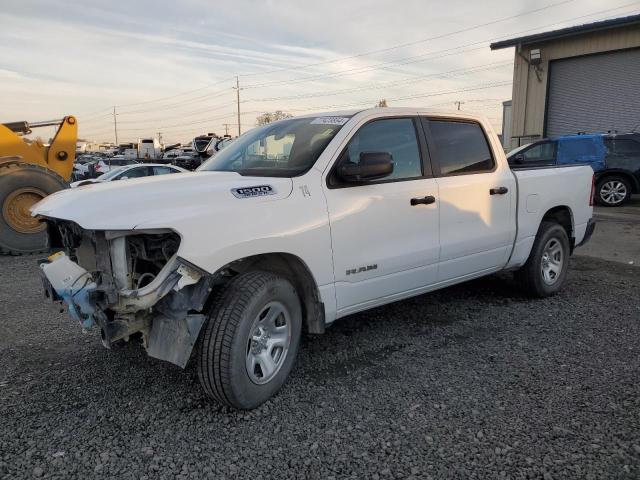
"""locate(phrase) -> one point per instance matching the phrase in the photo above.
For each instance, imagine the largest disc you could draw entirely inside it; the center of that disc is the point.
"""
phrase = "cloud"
(61, 57)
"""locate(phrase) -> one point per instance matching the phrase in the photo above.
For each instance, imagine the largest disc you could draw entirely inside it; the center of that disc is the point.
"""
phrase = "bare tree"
(382, 103)
(269, 117)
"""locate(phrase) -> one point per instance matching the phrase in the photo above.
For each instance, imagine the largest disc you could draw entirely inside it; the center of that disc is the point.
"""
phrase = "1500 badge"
(257, 191)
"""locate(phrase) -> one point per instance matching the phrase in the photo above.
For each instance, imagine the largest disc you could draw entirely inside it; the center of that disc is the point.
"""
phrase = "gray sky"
(170, 68)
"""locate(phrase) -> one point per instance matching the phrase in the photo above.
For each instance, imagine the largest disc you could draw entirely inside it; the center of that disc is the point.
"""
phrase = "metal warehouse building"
(577, 79)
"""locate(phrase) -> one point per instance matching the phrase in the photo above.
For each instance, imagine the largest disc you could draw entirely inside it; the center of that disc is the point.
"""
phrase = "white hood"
(156, 200)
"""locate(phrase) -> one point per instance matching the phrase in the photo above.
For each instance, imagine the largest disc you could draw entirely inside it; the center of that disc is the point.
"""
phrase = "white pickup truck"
(299, 223)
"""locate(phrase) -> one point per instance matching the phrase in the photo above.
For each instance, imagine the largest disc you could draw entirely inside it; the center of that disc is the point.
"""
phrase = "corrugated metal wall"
(594, 94)
(530, 92)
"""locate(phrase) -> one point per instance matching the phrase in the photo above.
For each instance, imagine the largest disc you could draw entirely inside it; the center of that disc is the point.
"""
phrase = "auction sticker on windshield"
(330, 121)
(257, 191)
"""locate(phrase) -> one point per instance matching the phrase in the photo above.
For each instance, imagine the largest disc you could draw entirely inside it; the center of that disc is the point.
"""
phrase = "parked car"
(169, 155)
(81, 166)
(614, 158)
(85, 165)
(107, 164)
(189, 161)
(131, 171)
(299, 223)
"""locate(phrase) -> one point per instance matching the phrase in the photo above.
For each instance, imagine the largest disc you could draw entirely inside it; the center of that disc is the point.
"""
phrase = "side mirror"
(372, 166)
(519, 158)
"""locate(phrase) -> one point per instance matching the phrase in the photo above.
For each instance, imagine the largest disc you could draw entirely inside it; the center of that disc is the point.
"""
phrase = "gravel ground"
(475, 381)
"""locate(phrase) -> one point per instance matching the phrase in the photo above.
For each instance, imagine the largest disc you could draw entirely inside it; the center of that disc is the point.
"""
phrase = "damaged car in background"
(299, 223)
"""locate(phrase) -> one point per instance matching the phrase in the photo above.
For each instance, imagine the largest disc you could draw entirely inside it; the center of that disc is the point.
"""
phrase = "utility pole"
(458, 103)
(226, 128)
(238, 100)
(115, 124)
(160, 137)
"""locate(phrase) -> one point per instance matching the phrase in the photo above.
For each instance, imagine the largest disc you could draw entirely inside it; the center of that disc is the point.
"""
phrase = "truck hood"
(130, 204)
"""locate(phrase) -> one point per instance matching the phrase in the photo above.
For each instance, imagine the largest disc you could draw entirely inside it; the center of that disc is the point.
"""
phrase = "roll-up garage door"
(594, 94)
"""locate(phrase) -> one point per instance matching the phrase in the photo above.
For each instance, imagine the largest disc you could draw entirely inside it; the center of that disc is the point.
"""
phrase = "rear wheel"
(248, 346)
(23, 185)
(545, 272)
(613, 191)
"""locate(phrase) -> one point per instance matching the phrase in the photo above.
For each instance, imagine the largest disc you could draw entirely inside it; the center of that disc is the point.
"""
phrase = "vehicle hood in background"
(165, 198)
(79, 183)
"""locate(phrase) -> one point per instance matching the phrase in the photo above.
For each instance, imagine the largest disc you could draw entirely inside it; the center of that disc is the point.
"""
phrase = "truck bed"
(541, 189)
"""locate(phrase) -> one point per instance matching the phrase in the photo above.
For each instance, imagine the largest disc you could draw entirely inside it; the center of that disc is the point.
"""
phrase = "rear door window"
(134, 173)
(163, 170)
(460, 147)
(623, 146)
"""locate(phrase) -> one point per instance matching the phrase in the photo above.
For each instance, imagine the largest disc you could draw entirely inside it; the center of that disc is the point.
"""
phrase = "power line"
(237, 87)
(448, 74)
(409, 97)
(115, 123)
(407, 60)
(185, 114)
(387, 64)
(408, 44)
(187, 92)
(423, 56)
(178, 125)
(217, 93)
(462, 71)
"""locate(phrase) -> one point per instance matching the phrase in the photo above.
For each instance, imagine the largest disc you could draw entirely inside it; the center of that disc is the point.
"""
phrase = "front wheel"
(250, 341)
(613, 191)
(545, 272)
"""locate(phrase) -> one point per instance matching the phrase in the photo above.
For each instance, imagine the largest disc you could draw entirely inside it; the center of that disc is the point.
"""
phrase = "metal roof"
(568, 32)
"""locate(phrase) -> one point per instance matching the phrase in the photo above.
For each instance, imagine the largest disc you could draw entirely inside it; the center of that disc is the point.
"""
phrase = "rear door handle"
(498, 191)
(428, 200)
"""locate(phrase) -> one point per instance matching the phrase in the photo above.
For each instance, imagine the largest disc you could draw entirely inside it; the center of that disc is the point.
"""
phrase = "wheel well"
(635, 185)
(296, 271)
(563, 216)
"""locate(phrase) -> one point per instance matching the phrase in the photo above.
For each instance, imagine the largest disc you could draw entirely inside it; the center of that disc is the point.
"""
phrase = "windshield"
(201, 143)
(111, 173)
(281, 149)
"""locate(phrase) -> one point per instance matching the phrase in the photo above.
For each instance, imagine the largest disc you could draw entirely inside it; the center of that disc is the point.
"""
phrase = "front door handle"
(428, 200)
(498, 191)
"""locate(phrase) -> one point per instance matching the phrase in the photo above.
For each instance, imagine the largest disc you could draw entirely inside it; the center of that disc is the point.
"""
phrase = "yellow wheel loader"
(29, 171)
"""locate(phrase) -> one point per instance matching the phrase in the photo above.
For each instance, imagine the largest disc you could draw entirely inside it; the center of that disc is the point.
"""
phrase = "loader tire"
(545, 272)
(249, 344)
(21, 186)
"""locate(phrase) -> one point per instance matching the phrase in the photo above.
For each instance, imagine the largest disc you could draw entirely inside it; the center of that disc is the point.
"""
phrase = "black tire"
(605, 184)
(223, 346)
(14, 177)
(531, 275)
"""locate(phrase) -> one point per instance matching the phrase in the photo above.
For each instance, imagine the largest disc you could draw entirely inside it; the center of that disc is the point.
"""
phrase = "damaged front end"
(129, 284)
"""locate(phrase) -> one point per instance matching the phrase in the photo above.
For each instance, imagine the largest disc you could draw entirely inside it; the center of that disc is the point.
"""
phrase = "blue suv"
(615, 159)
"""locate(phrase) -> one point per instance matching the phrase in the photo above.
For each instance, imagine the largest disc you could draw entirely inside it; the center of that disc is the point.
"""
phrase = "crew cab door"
(385, 233)
(477, 196)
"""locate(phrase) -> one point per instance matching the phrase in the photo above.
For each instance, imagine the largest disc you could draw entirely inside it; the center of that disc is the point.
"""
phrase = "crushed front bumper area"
(119, 282)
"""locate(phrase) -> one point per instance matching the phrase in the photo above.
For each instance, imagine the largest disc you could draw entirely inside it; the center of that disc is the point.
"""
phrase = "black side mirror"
(372, 166)
(519, 158)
